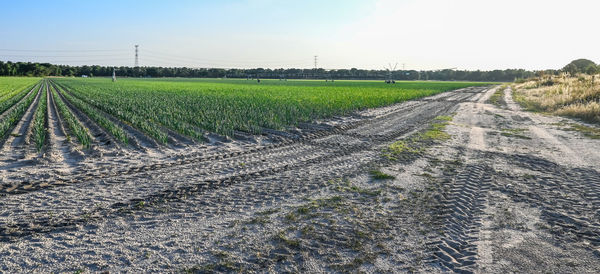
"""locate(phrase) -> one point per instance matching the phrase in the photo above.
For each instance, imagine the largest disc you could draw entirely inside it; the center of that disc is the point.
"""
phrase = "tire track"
(457, 249)
(568, 198)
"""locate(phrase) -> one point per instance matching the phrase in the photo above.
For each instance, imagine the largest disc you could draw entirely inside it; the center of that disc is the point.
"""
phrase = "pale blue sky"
(423, 34)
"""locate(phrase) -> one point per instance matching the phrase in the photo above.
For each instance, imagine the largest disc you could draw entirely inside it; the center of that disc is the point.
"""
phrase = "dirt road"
(508, 191)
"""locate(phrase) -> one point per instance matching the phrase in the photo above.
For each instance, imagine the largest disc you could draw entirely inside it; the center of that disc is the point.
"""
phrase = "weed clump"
(497, 98)
(416, 144)
(378, 175)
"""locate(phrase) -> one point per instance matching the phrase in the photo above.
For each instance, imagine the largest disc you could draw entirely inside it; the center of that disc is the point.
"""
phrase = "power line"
(82, 56)
(164, 58)
(64, 56)
(186, 63)
(187, 58)
(89, 60)
(63, 50)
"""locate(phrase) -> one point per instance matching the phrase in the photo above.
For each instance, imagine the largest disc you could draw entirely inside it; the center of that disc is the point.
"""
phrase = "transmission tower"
(390, 69)
(316, 62)
(136, 56)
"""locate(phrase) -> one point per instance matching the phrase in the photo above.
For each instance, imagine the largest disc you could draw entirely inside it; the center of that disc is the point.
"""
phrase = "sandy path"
(522, 220)
(561, 148)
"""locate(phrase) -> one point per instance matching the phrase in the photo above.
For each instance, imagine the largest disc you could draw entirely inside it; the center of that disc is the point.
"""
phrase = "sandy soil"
(509, 191)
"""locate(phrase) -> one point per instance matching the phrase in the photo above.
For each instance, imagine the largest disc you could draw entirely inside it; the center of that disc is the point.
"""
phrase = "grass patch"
(268, 211)
(416, 144)
(347, 186)
(292, 243)
(444, 118)
(303, 210)
(378, 175)
(399, 147)
(436, 132)
(140, 205)
(590, 132)
(508, 134)
(515, 132)
(497, 98)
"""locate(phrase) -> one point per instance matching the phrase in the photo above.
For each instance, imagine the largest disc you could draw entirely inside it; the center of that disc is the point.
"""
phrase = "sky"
(367, 34)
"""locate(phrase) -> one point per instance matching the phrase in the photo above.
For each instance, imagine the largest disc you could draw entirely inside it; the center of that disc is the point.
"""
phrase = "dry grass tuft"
(561, 95)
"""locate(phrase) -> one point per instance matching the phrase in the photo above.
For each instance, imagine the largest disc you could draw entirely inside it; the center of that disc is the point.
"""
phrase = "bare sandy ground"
(509, 191)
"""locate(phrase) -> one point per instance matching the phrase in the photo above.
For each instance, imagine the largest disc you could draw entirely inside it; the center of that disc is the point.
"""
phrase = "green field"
(193, 106)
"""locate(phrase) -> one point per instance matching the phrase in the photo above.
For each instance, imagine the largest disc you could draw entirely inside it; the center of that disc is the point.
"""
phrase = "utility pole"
(114, 78)
(316, 62)
(136, 56)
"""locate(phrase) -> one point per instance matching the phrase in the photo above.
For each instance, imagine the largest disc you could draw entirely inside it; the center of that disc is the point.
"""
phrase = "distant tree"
(578, 66)
(45, 69)
(571, 69)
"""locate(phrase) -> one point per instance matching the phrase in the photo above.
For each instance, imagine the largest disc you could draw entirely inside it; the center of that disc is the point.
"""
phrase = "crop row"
(76, 127)
(39, 119)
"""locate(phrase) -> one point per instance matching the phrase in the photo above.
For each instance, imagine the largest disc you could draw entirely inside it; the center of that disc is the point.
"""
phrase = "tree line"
(46, 69)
